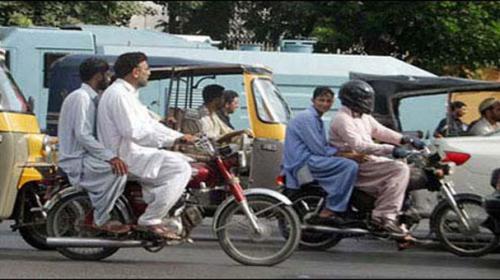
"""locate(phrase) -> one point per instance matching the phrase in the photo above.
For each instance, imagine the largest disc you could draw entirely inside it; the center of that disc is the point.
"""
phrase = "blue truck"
(297, 70)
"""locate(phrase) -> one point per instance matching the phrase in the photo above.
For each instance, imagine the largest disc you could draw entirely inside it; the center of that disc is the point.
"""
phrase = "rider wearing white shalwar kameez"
(126, 127)
(84, 159)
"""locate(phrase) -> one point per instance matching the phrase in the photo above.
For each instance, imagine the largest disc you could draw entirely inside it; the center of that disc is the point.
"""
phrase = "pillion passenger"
(86, 161)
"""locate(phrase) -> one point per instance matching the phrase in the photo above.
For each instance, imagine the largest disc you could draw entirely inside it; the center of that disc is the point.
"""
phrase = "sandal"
(112, 227)
(161, 231)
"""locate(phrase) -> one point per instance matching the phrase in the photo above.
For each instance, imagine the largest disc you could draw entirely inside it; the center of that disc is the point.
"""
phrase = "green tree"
(58, 13)
(443, 37)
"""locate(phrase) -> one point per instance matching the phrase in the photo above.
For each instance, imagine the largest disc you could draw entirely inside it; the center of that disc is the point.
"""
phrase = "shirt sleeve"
(140, 127)
(306, 128)
(383, 133)
(441, 128)
(350, 135)
(84, 128)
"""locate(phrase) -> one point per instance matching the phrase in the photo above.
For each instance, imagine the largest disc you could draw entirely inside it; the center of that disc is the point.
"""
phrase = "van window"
(11, 98)
(48, 59)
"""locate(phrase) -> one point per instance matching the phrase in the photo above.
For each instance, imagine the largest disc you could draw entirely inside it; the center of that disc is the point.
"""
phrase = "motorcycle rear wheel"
(478, 241)
(305, 202)
(238, 239)
(66, 219)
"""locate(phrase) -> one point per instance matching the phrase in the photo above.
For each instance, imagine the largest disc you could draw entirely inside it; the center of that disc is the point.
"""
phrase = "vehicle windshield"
(11, 98)
(271, 107)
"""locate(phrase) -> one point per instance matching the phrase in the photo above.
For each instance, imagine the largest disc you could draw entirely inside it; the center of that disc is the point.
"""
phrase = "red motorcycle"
(249, 224)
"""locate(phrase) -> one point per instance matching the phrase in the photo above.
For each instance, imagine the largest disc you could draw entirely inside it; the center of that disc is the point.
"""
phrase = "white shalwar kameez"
(83, 157)
(126, 127)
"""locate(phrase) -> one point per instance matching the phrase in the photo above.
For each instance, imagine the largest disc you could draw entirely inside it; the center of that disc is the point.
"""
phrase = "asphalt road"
(351, 258)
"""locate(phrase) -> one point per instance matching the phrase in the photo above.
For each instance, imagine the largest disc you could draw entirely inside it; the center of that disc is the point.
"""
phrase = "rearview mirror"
(427, 134)
(31, 104)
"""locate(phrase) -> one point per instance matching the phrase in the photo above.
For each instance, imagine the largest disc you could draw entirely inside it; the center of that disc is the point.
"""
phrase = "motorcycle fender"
(250, 192)
(59, 195)
(444, 202)
(121, 202)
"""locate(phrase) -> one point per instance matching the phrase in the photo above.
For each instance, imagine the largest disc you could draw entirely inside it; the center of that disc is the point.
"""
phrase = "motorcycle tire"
(305, 202)
(272, 215)
(33, 227)
(65, 219)
(35, 238)
(479, 240)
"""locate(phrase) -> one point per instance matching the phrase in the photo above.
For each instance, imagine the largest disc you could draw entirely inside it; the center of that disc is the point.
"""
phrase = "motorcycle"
(427, 172)
(492, 223)
(247, 223)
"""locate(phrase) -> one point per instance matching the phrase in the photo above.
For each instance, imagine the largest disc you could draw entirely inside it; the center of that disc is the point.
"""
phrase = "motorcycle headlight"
(49, 148)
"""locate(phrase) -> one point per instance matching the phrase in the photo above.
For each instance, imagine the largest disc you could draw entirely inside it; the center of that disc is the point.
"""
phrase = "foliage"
(59, 13)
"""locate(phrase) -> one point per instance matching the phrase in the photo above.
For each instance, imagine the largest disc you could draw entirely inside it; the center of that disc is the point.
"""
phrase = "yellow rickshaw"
(263, 106)
(23, 152)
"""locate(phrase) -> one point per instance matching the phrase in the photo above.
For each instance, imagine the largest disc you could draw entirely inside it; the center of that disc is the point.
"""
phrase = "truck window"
(48, 59)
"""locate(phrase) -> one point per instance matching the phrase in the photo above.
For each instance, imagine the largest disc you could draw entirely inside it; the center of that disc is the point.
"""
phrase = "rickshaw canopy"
(390, 89)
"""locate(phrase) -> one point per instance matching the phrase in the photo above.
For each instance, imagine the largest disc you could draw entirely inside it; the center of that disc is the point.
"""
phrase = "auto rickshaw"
(392, 90)
(24, 153)
(175, 85)
(265, 108)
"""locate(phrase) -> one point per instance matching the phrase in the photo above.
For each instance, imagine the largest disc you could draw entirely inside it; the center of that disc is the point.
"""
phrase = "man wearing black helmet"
(353, 129)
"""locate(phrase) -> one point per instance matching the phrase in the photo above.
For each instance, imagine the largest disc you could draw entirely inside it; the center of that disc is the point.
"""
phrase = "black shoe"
(333, 221)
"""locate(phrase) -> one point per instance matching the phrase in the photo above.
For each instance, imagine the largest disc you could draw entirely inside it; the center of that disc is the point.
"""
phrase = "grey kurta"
(83, 157)
(482, 127)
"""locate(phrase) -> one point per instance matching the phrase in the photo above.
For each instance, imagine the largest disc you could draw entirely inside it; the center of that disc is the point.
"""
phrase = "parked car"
(475, 158)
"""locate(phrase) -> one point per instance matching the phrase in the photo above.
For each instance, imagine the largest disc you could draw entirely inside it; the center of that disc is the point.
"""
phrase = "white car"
(475, 158)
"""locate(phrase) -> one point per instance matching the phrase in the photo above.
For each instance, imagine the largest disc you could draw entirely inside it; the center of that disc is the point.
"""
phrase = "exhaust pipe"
(93, 242)
(335, 230)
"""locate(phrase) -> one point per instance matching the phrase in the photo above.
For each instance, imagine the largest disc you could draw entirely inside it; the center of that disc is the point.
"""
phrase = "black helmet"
(358, 96)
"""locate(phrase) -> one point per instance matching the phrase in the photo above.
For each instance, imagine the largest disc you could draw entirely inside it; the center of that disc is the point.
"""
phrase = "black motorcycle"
(492, 207)
(454, 212)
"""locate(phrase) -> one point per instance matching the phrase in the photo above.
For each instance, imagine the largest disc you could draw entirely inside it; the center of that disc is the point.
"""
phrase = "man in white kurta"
(85, 160)
(353, 129)
(126, 127)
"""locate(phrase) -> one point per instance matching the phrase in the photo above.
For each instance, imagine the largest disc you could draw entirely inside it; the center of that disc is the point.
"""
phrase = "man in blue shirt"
(306, 145)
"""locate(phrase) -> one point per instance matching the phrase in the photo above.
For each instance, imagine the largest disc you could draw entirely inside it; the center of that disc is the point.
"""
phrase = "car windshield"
(271, 107)
(11, 98)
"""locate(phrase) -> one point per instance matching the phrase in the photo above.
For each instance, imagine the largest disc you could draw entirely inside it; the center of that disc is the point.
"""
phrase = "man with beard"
(87, 163)
(127, 128)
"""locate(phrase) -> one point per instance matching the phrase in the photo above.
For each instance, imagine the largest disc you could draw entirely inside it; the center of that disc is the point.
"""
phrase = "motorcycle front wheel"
(265, 248)
(67, 219)
(33, 224)
(475, 241)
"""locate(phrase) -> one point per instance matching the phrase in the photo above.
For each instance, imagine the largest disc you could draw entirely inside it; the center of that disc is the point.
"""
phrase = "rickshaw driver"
(82, 157)
(211, 124)
(306, 147)
(126, 127)
(352, 129)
